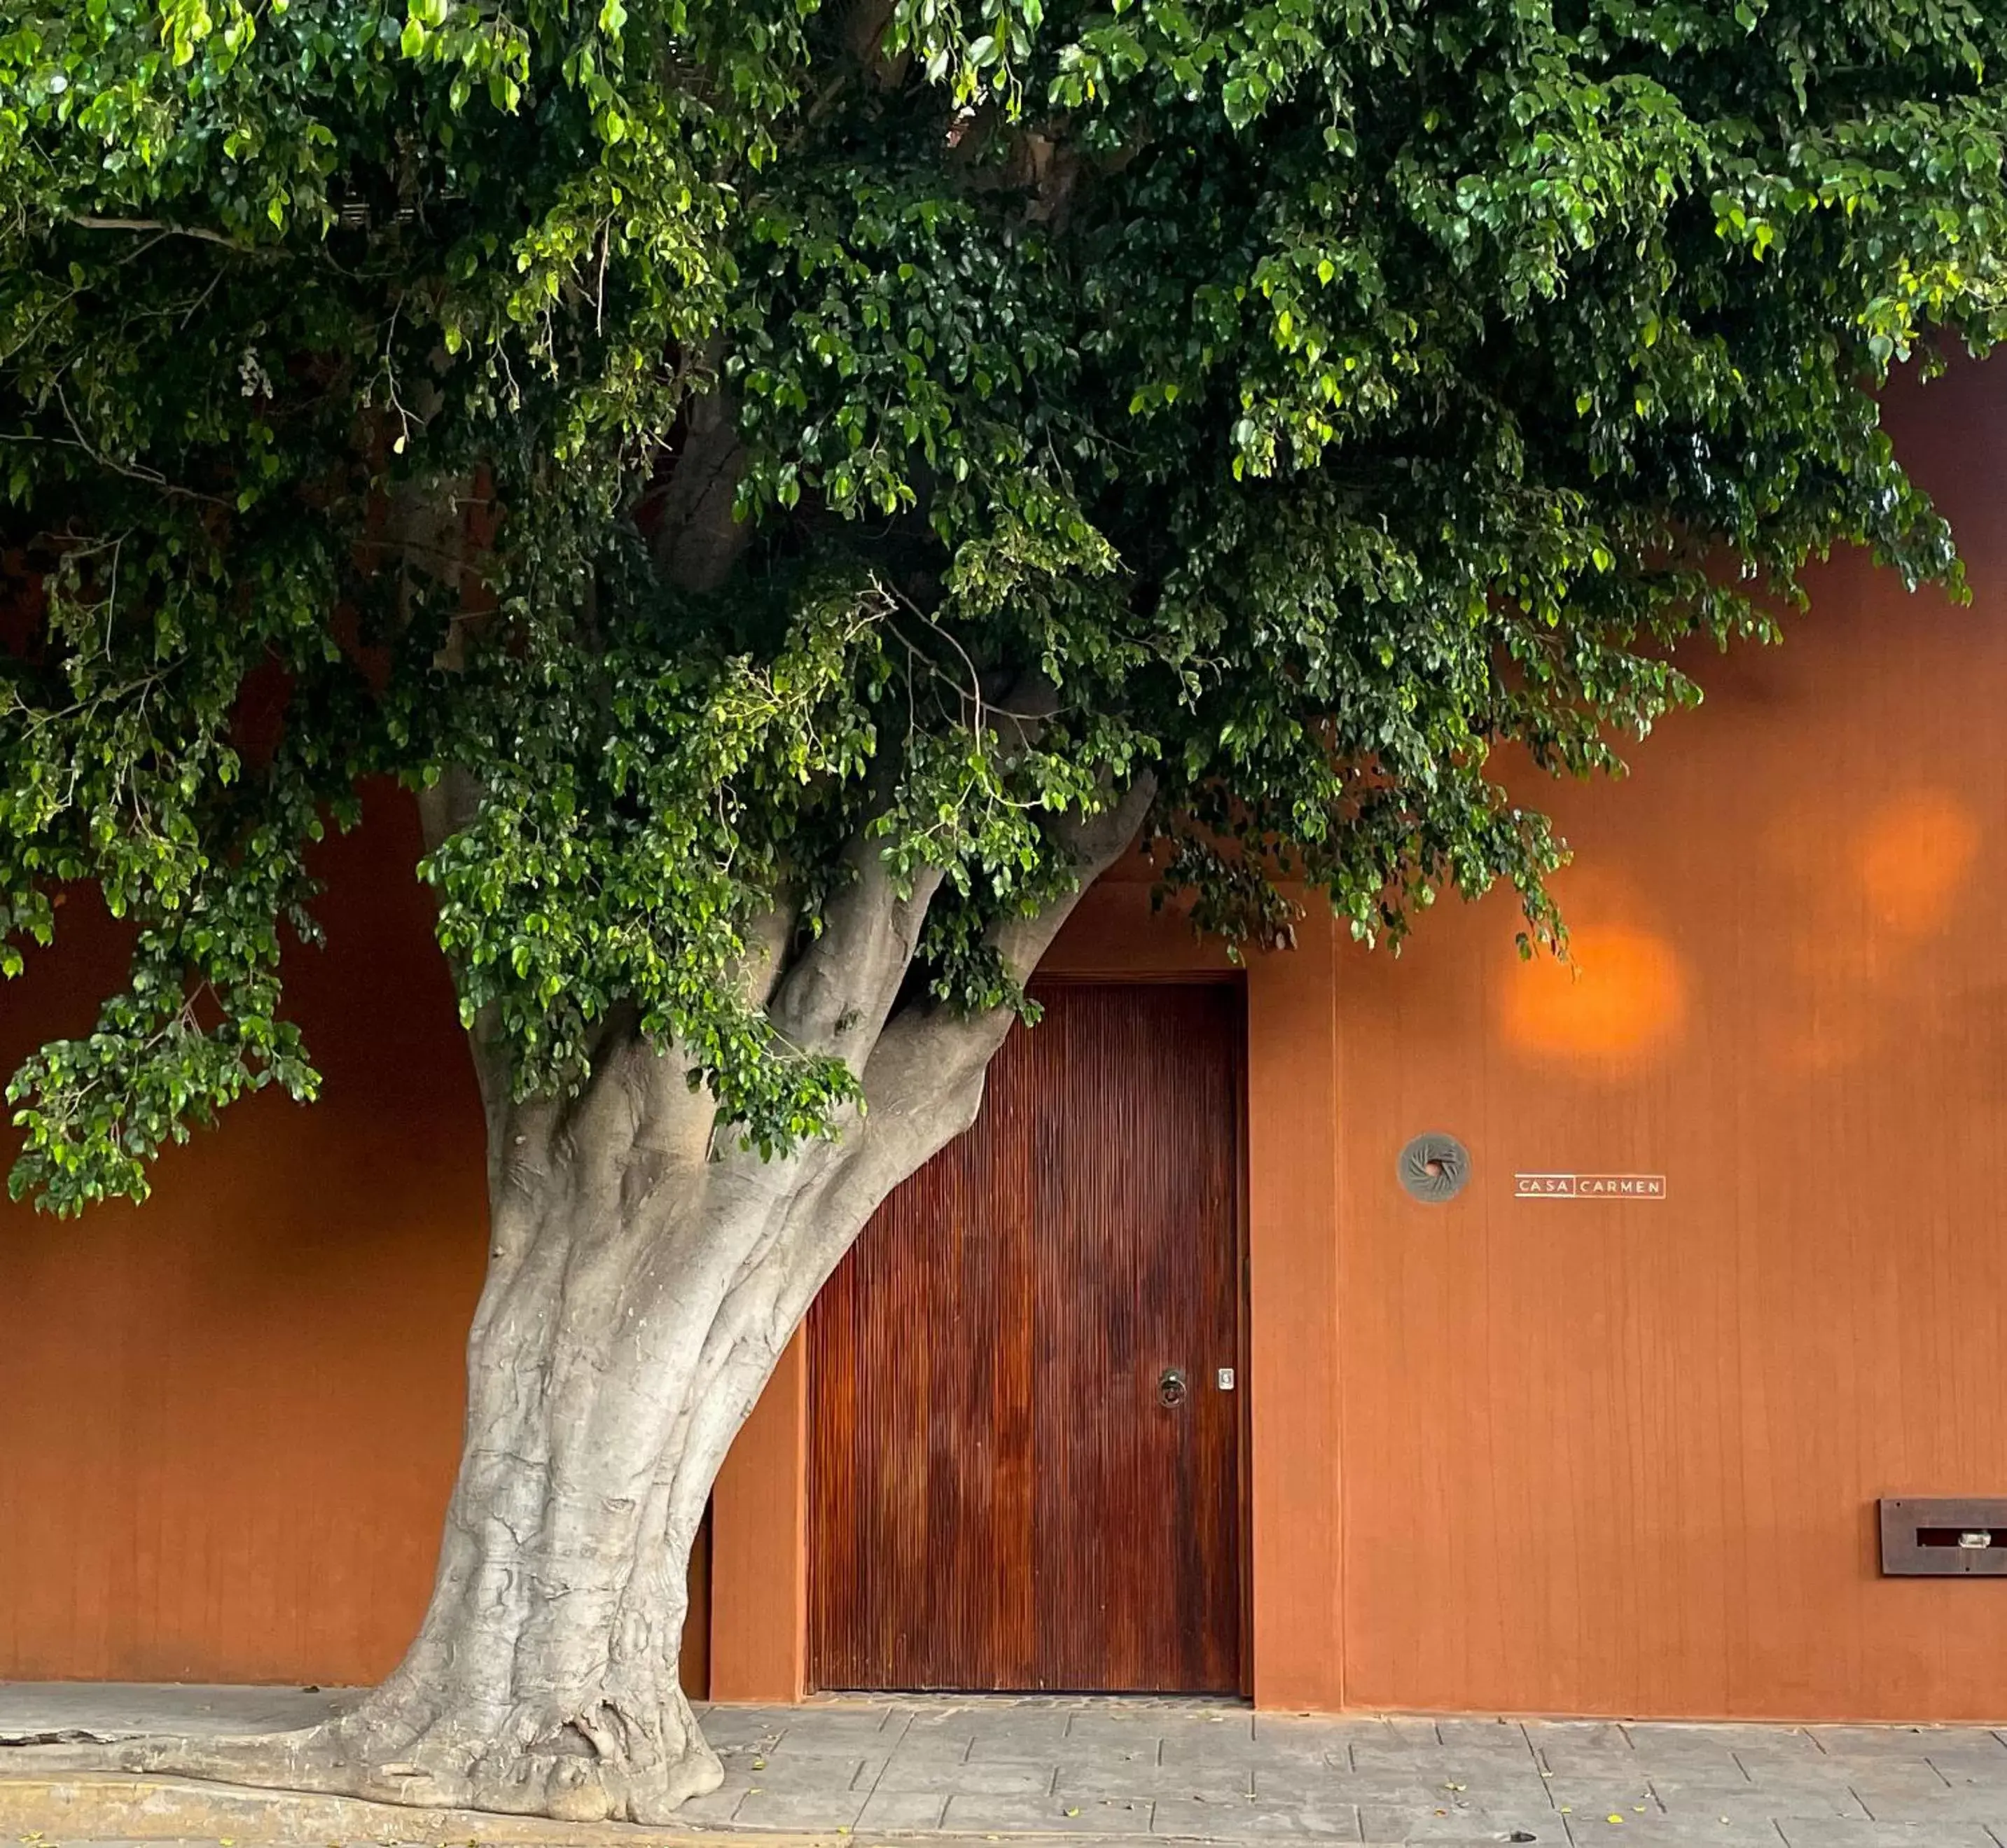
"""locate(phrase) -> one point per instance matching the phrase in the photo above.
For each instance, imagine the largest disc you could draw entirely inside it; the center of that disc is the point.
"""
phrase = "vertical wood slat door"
(998, 1496)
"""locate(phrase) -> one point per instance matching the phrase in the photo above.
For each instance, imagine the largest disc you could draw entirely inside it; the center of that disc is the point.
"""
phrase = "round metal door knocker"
(1434, 1167)
(1171, 1387)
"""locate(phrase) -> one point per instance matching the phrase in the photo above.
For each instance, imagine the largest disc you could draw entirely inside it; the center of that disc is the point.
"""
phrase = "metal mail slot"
(1944, 1536)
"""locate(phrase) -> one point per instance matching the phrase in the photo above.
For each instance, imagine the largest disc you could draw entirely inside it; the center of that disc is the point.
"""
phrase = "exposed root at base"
(571, 1781)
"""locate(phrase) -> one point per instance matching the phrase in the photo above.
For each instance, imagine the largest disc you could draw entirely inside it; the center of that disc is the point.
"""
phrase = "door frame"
(1292, 1653)
(1233, 982)
(1235, 979)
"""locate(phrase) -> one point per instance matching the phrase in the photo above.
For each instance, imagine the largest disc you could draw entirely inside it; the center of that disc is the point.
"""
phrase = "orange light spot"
(1913, 856)
(1625, 993)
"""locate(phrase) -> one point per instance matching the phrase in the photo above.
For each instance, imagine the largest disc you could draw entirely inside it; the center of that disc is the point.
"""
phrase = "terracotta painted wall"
(1602, 1457)
(229, 1419)
(1547, 1455)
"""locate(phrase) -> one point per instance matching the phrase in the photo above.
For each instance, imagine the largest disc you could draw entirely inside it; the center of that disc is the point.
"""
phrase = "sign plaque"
(1588, 1187)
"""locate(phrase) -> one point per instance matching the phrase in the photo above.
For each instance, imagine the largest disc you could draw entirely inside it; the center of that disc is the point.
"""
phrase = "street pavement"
(1093, 1771)
(1174, 1769)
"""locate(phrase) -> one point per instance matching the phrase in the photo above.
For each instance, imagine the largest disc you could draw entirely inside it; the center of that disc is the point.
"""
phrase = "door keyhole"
(1171, 1386)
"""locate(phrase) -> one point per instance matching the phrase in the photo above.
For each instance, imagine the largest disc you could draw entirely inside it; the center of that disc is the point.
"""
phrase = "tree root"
(590, 1766)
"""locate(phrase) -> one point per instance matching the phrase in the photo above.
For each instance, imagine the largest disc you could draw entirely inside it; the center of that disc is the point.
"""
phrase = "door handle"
(1171, 1387)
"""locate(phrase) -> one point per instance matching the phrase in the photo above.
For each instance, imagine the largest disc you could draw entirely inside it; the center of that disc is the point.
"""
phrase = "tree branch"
(699, 538)
(836, 997)
(86, 222)
(923, 1080)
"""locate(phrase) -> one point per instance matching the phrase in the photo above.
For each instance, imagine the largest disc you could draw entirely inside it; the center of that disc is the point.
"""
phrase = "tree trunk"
(642, 1283)
(624, 1334)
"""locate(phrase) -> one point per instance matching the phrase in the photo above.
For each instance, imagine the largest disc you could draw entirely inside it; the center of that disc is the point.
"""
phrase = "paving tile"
(1505, 1735)
(1886, 1764)
(813, 1811)
(1681, 1798)
(1801, 1832)
(1119, 1731)
(1600, 1795)
(1190, 1746)
(1759, 1761)
(1437, 1784)
(1578, 1735)
(1145, 1752)
(1612, 1759)
(1916, 1776)
(1667, 1832)
(725, 1726)
(808, 1772)
(1472, 1742)
(979, 1777)
(1322, 1728)
(937, 1748)
(1989, 1807)
(1918, 1742)
(715, 1808)
(891, 1810)
(1217, 1722)
(1671, 1737)
(1440, 1822)
(1918, 1787)
(1299, 1756)
(1333, 1738)
(1020, 1734)
(126, 1709)
(926, 1714)
(937, 1741)
(1960, 1767)
(1248, 1819)
(1393, 1793)
(1418, 1730)
(1518, 1781)
(859, 1721)
(1048, 1815)
(1788, 1796)
(1100, 1776)
(1716, 1765)
(1413, 1783)
(1487, 1837)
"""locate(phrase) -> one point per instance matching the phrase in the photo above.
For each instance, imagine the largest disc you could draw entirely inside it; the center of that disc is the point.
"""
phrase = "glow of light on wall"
(1626, 994)
(1913, 856)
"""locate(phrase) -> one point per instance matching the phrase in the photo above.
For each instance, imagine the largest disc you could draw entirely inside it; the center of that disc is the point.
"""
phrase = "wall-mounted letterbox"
(1950, 1536)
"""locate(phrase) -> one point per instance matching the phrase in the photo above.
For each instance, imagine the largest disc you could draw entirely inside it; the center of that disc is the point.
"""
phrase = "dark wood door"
(1000, 1496)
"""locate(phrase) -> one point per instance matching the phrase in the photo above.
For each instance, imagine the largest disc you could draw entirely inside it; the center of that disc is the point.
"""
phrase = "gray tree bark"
(642, 1283)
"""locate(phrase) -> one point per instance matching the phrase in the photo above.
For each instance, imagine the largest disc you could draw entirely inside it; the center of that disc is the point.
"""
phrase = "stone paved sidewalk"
(1083, 1773)
(1127, 1767)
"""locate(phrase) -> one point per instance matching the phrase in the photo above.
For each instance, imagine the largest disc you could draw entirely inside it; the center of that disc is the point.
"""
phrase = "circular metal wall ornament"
(1434, 1167)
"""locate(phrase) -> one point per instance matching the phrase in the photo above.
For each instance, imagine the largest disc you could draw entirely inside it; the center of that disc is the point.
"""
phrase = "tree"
(798, 490)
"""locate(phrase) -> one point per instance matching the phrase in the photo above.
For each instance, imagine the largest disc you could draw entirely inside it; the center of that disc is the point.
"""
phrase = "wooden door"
(1000, 1497)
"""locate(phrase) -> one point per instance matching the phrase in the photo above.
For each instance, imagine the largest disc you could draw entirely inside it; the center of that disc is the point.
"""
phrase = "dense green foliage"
(1298, 400)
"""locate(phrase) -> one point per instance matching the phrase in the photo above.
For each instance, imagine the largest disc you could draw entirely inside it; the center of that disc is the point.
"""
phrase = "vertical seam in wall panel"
(1338, 1630)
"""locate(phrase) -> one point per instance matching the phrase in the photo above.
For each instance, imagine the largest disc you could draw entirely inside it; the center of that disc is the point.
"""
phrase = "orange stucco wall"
(1554, 1456)
(1621, 1457)
(228, 1418)
(1544, 1455)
